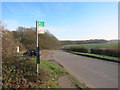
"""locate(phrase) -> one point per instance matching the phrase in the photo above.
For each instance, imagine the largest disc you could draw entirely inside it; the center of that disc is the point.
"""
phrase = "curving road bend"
(94, 73)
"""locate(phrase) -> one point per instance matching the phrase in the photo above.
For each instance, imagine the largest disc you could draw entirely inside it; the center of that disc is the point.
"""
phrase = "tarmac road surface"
(94, 73)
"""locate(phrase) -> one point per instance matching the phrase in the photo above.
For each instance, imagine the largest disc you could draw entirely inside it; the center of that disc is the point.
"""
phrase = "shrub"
(20, 72)
(108, 52)
(77, 49)
(8, 46)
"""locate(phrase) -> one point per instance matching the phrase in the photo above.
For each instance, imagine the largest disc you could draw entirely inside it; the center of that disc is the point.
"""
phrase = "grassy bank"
(20, 72)
(109, 58)
(55, 72)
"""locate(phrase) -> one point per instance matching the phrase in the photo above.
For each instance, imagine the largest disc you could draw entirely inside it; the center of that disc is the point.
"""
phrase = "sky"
(65, 20)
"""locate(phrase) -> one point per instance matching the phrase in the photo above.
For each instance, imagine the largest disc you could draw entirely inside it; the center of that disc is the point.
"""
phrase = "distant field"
(112, 45)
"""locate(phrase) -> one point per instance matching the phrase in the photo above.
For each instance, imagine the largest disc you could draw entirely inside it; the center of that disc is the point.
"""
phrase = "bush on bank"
(107, 52)
(98, 51)
(77, 49)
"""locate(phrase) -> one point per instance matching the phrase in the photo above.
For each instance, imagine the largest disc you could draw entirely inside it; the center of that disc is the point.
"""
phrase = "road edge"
(92, 57)
(78, 84)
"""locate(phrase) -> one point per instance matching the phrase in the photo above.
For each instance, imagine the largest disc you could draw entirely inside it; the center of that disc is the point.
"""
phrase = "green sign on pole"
(40, 27)
(39, 30)
(40, 23)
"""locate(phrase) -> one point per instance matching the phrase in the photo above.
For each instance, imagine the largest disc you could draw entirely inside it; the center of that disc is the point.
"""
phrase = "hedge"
(77, 49)
(107, 52)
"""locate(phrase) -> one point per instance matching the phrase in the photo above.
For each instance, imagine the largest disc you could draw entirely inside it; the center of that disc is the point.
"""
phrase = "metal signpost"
(39, 30)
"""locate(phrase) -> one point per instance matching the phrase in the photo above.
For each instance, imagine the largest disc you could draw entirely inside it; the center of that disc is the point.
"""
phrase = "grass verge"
(103, 57)
(78, 84)
(55, 71)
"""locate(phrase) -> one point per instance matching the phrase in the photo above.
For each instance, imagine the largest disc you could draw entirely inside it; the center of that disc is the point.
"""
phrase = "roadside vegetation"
(107, 51)
(19, 71)
(109, 58)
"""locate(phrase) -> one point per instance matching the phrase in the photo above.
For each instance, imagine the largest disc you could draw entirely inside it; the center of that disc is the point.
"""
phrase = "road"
(94, 73)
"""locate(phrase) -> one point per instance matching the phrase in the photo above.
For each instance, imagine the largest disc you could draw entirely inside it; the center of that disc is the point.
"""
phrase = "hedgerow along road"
(94, 73)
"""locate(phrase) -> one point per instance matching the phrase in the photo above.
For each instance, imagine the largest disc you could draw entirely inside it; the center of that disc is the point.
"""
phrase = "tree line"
(68, 42)
(25, 38)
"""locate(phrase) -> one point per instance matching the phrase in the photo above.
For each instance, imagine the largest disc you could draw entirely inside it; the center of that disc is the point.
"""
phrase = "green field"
(111, 45)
